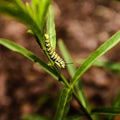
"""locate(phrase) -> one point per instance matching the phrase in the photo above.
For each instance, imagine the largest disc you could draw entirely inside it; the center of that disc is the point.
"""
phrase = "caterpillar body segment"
(53, 55)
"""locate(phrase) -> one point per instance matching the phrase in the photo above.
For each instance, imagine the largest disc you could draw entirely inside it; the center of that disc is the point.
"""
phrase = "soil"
(83, 25)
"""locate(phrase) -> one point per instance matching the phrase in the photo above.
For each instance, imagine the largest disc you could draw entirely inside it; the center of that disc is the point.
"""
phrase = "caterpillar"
(53, 55)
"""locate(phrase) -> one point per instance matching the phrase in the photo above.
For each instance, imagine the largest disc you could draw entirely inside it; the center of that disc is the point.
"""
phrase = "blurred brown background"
(83, 25)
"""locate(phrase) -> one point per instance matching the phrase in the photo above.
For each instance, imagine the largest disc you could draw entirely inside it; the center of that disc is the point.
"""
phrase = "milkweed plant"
(38, 16)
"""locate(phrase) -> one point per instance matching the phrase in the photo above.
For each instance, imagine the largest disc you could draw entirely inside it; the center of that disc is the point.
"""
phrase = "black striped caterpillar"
(53, 55)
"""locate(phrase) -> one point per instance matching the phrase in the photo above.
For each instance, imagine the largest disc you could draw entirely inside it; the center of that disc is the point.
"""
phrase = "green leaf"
(63, 105)
(116, 103)
(115, 39)
(24, 17)
(19, 14)
(51, 27)
(29, 9)
(36, 8)
(34, 117)
(43, 12)
(69, 62)
(112, 66)
(71, 69)
(28, 54)
(107, 111)
(19, 4)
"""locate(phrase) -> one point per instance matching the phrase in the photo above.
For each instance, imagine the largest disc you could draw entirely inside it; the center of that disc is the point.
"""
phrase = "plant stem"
(87, 114)
(62, 78)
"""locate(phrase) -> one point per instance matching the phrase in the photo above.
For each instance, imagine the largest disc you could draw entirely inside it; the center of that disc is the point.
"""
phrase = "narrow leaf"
(19, 4)
(112, 66)
(51, 27)
(29, 9)
(71, 69)
(63, 105)
(36, 8)
(28, 54)
(115, 39)
(116, 103)
(107, 111)
(43, 12)
(24, 17)
(69, 62)
(12, 10)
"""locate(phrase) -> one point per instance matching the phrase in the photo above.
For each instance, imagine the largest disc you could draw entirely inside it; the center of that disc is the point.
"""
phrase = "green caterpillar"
(53, 55)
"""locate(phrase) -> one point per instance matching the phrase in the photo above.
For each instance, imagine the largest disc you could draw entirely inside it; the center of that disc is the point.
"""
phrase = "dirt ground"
(83, 25)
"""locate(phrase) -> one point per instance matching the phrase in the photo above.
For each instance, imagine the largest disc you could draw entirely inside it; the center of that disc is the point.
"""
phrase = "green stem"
(87, 114)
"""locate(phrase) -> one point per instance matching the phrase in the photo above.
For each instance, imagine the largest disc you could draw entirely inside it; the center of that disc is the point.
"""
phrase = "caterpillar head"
(46, 36)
